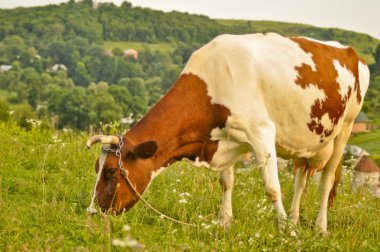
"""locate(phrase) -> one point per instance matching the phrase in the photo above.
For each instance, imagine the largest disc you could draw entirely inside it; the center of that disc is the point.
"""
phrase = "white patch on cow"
(326, 122)
(363, 78)
(197, 162)
(329, 43)
(102, 158)
(345, 78)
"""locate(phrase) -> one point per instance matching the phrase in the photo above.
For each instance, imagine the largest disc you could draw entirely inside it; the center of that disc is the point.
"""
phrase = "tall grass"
(46, 178)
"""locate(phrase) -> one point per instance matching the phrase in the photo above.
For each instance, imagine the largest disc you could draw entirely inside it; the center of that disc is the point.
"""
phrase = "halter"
(124, 173)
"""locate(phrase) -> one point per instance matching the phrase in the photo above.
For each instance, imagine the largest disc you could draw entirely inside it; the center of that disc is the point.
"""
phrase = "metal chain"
(124, 173)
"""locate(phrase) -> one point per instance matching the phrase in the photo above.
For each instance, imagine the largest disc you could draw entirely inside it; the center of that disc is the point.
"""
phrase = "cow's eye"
(109, 173)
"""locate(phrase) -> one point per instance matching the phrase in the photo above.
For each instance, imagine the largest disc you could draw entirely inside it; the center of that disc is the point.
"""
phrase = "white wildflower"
(205, 226)
(215, 222)
(184, 194)
(119, 243)
(34, 122)
(131, 242)
(182, 201)
(200, 216)
(174, 190)
(126, 227)
(10, 112)
(250, 241)
(257, 235)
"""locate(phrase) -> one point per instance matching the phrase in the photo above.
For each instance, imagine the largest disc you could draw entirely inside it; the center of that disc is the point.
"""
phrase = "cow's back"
(305, 87)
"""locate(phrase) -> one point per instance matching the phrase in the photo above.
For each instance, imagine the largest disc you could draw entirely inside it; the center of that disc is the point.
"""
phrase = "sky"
(357, 15)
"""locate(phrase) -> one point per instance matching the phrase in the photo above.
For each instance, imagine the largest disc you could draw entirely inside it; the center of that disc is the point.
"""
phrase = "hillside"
(68, 66)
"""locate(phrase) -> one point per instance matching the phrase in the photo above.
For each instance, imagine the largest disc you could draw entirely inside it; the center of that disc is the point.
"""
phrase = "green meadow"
(46, 180)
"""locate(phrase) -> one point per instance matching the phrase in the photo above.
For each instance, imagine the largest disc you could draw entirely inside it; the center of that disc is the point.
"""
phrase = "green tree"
(136, 87)
(80, 75)
(122, 97)
(153, 87)
(105, 109)
(73, 109)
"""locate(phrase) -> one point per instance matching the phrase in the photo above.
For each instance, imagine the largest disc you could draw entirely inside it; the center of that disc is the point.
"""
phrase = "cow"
(292, 97)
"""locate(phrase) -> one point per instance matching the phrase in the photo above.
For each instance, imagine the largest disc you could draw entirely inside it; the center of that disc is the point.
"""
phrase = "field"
(46, 179)
(370, 142)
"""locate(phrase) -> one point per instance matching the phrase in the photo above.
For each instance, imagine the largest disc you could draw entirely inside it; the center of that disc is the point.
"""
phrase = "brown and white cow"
(276, 96)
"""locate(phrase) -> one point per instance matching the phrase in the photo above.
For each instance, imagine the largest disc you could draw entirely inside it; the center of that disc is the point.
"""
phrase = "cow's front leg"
(299, 186)
(226, 180)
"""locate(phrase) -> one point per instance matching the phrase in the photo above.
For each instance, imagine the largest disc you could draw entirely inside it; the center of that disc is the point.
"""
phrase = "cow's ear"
(146, 149)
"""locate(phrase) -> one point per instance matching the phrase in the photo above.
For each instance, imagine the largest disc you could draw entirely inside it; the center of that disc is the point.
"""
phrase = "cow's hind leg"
(226, 180)
(328, 177)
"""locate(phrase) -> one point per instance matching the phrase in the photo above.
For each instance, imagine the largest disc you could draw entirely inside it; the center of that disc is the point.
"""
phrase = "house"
(5, 68)
(366, 172)
(57, 67)
(131, 53)
(362, 123)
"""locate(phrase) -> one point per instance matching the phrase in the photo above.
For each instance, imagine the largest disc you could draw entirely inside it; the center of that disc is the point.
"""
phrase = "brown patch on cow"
(183, 121)
(180, 124)
(324, 78)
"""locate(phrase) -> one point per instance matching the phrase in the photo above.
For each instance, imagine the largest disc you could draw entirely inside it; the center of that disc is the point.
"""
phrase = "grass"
(370, 142)
(46, 179)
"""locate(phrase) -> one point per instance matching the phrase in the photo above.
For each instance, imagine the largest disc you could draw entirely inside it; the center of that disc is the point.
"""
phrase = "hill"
(68, 65)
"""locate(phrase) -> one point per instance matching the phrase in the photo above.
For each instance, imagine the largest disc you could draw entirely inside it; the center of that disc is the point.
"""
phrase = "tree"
(136, 87)
(122, 97)
(105, 109)
(80, 75)
(73, 109)
(153, 86)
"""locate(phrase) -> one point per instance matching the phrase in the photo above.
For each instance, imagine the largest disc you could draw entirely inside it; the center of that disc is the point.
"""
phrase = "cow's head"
(112, 191)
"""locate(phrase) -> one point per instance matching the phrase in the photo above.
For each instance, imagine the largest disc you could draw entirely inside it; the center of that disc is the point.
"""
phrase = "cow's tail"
(333, 192)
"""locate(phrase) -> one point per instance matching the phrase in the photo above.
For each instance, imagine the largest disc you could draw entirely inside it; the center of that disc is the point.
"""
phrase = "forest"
(57, 67)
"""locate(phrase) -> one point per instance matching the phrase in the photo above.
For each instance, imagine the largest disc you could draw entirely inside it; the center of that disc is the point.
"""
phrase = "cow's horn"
(103, 139)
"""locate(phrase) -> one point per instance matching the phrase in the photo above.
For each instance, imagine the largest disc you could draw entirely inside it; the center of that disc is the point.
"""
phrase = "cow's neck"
(181, 124)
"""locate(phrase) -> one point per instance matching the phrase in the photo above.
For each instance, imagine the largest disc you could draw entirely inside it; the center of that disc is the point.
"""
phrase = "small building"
(362, 123)
(57, 67)
(366, 172)
(131, 53)
(5, 68)
(108, 53)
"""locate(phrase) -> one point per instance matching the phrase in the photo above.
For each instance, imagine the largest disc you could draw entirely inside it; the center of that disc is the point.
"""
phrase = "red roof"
(366, 164)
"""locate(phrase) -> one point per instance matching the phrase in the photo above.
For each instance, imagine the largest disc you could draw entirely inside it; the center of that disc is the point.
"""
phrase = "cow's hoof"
(322, 231)
(225, 222)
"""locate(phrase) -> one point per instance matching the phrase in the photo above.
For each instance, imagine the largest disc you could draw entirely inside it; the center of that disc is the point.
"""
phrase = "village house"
(5, 68)
(366, 172)
(362, 123)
